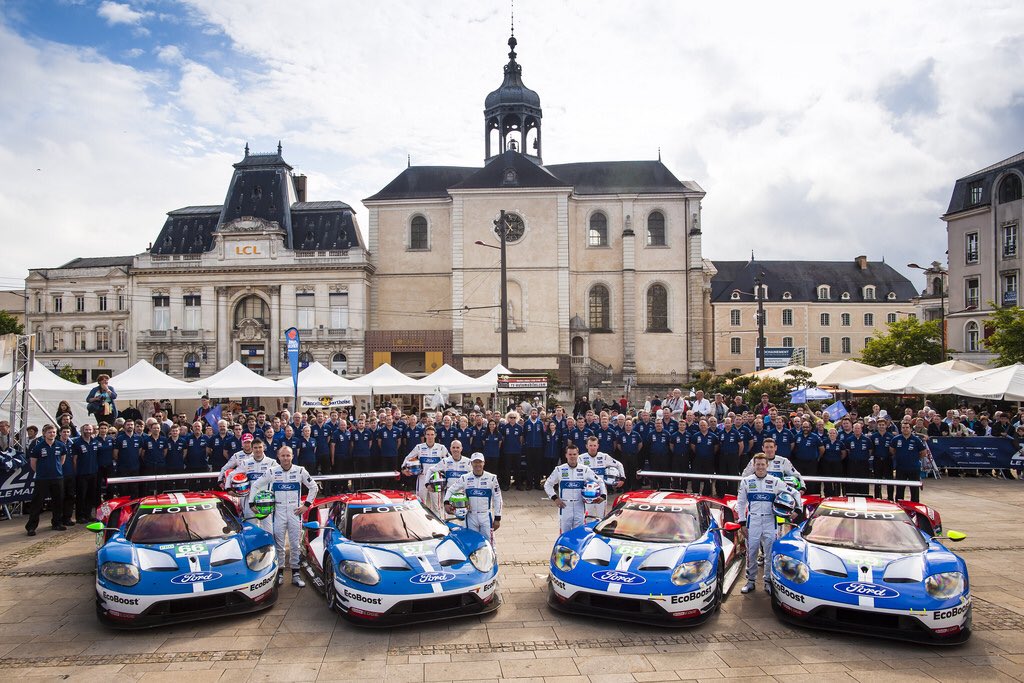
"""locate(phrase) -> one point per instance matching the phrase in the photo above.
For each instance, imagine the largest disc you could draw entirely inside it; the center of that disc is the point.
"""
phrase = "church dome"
(512, 91)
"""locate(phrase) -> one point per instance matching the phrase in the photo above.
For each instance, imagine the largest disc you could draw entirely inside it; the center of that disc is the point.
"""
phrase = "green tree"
(907, 342)
(69, 373)
(9, 324)
(1006, 338)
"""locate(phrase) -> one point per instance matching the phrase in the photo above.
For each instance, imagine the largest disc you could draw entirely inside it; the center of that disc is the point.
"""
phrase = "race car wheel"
(329, 591)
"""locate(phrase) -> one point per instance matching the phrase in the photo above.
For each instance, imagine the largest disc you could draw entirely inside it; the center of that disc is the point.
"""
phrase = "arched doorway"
(339, 364)
(251, 322)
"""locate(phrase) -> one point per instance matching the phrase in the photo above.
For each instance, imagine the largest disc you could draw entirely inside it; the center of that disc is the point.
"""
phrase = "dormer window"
(845, 296)
(786, 296)
(824, 292)
(891, 296)
(761, 292)
(869, 292)
(735, 295)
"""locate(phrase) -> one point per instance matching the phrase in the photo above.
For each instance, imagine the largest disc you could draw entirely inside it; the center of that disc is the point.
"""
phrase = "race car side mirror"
(955, 536)
(732, 526)
(312, 526)
(98, 527)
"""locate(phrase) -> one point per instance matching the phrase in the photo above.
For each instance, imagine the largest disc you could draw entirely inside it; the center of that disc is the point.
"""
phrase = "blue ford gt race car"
(180, 556)
(381, 558)
(864, 565)
(659, 557)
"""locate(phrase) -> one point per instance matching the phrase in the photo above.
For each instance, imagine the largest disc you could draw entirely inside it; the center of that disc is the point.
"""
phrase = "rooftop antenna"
(278, 148)
(751, 255)
(512, 4)
(247, 149)
(408, 160)
(659, 152)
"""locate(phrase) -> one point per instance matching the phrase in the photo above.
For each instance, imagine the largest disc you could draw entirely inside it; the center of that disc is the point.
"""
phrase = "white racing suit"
(599, 463)
(429, 457)
(253, 469)
(451, 469)
(778, 466)
(755, 504)
(483, 495)
(287, 489)
(570, 481)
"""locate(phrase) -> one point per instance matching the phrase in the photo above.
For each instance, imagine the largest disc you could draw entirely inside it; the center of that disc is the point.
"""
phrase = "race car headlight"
(564, 559)
(363, 572)
(482, 558)
(791, 569)
(946, 585)
(691, 572)
(120, 573)
(261, 558)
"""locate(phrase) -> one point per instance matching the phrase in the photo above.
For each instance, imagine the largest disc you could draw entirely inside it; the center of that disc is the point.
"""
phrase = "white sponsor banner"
(326, 402)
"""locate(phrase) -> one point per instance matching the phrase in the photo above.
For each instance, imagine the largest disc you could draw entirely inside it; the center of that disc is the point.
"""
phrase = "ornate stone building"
(605, 275)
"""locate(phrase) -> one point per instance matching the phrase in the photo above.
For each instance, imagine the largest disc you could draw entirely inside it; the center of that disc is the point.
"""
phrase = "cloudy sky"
(818, 131)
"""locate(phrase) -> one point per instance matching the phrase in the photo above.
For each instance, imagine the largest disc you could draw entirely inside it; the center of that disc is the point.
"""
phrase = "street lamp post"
(501, 228)
(942, 273)
(760, 319)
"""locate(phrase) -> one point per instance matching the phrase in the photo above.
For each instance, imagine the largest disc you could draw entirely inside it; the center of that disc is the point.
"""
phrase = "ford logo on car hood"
(866, 590)
(432, 577)
(195, 577)
(613, 576)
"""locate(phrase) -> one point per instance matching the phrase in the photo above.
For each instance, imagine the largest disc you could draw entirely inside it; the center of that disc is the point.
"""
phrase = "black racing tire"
(329, 590)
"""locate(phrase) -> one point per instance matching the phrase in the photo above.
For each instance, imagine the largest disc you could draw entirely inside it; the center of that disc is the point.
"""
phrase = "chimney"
(300, 188)
(862, 262)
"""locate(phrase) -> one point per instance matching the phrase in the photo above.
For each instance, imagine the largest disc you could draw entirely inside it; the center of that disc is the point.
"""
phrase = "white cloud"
(818, 130)
(120, 13)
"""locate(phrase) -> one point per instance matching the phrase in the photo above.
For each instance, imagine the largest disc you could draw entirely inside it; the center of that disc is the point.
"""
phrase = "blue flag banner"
(975, 452)
(291, 336)
(213, 416)
(836, 411)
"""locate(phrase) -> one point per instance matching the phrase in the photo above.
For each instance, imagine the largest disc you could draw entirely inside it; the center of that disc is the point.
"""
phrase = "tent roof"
(447, 378)
(832, 374)
(961, 365)
(315, 379)
(778, 373)
(386, 380)
(45, 384)
(913, 380)
(997, 384)
(238, 380)
(143, 381)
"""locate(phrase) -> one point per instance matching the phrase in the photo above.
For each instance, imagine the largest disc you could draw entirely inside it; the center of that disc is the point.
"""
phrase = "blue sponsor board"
(974, 452)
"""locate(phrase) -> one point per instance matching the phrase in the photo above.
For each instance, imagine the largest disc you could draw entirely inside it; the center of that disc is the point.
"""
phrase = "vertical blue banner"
(291, 336)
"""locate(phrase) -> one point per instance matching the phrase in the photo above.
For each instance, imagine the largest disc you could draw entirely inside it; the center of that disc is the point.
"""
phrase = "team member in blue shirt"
(575, 434)
(806, 454)
(306, 455)
(858, 459)
(681, 456)
(491, 447)
(127, 450)
(46, 459)
(362, 442)
(658, 449)
(832, 461)
(907, 450)
(785, 438)
(704, 445)
(321, 431)
(511, 452)
(882, 465)
(197, 454)
(84, 451)
(630, 444)
(70, 486)
(731, 449)
(104, 456)
(154, 455)
(341, 448)
(552, 445)
(533, 446)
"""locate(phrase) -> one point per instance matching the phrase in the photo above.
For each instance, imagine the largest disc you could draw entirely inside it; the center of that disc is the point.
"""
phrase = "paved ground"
(48, 627)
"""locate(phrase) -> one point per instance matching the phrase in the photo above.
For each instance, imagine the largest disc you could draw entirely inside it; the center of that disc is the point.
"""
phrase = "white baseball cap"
(476, 457)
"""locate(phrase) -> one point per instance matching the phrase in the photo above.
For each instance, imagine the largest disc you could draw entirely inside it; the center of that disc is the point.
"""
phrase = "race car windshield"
(182, 523)
(672, 524)
(394, 524)
(862, 533)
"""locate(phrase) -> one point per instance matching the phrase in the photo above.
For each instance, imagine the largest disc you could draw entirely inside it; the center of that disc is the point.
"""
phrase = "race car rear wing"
(216, 475)
(730, 477)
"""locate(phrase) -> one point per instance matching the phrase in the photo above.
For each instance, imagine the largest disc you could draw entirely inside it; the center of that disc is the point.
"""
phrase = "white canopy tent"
(46, 385)
(832, 374)
(237, 380)
(447, 379)
(386, 380)
(778, 373)
(913, 380)
(317, 380)
(143, 381)
(997, 384)
(961, 365)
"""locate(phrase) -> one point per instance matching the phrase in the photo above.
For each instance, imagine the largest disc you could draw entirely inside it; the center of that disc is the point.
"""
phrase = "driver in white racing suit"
(253, 466)
(286, 481)
(427, 455)
(453, 465)
(570, 478)
(599, 462)
(777, 464)
(755, 505)
(483, 493)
